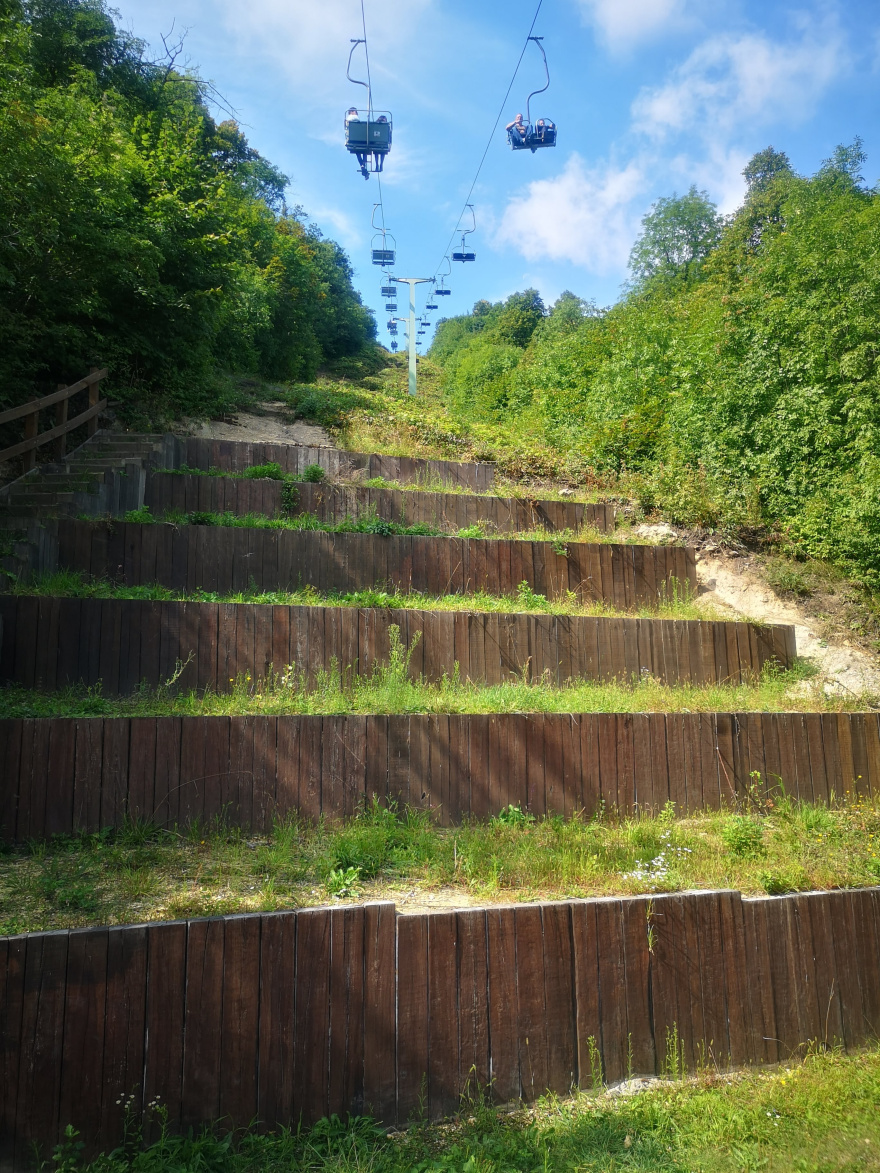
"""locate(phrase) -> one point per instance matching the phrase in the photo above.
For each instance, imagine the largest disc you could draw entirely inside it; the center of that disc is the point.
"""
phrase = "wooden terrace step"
(50, 643)
(226, 559)
(333, 503)
(290, 1017)
(237, 455)
(70, 775)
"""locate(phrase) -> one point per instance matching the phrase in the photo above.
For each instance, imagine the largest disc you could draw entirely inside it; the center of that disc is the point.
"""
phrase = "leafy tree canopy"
(748, 399)
(677, 235)
(142, 234)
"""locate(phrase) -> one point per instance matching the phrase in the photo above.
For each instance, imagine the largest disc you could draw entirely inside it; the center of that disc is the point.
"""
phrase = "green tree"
(677, 235)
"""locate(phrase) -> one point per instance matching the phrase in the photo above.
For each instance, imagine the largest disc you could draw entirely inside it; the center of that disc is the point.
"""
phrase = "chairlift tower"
(412, 282)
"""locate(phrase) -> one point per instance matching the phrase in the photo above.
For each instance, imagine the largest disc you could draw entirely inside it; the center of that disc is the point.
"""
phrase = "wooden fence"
(228, 559)
(60, 399)
(50, 642)
(332, 503)
(237, 455)
(295, 1015)
(64, 775)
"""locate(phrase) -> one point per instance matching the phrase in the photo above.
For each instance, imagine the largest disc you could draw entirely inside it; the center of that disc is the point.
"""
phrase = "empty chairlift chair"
(464, 253)
(383, 245)
(441, 290)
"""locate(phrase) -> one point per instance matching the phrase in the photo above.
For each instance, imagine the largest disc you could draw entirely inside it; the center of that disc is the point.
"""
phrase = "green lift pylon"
(412, 282)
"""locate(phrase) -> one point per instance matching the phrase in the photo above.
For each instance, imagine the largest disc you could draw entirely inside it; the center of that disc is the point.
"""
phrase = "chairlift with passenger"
(464, 254)
(369, 139)
(543, 133)
(394, 346)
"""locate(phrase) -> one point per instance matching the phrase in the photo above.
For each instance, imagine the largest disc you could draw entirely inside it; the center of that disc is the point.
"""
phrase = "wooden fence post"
(31, 427)
(61, 418)
(94, 394)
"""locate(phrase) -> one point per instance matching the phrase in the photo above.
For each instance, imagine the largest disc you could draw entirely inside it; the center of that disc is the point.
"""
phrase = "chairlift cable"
(491, 135)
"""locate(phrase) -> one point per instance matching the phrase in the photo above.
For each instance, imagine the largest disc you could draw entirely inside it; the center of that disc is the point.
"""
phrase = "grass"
(141, 873)
(816, 1114)
(389, 688)
(370, 523)
(675, 603)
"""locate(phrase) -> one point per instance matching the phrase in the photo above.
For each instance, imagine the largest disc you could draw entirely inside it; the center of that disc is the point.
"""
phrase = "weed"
(743, 837)
(343, 881)
(312, 474)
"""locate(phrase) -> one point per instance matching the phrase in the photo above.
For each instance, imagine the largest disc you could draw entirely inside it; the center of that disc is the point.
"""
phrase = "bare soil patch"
(273, 425)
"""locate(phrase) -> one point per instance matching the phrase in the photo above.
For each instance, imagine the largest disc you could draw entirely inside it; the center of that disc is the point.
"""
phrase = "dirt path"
(273, 426)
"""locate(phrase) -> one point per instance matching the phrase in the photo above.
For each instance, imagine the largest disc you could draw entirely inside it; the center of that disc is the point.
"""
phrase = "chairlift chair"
(543, 133)
(464, 253)
(381, 253)
(394, 346)
(388, 290)
(370, 137)
(391, 307)
(441, 290)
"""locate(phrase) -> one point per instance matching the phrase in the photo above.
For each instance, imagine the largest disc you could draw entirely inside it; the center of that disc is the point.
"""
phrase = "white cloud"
(584, 215)
(622, 23)
(730, 84)
(311, 40)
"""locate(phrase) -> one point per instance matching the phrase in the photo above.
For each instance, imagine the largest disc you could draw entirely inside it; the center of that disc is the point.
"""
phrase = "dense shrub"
(744, 394)
(140, 234)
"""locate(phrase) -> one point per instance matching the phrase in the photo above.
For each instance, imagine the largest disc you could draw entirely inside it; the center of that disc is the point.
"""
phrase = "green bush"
(741, 395)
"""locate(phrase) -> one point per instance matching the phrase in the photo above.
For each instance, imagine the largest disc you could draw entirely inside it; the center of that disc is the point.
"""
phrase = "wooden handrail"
(30, 412)
(14, 413)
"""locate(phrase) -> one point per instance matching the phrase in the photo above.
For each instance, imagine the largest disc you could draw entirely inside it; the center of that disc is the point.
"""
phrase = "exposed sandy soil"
(273, 426)
(733, 584)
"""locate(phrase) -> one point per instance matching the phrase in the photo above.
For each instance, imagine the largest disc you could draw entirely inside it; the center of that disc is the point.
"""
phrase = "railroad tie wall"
(228, 559)
(295, 1015)
(52, 642)
(66, 775)
(334, 503)
(238, 455)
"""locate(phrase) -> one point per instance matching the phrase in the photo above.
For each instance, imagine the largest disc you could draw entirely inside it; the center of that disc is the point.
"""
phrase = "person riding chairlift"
(545, 129)
(518, 130)
(352, 115)
(379, 156)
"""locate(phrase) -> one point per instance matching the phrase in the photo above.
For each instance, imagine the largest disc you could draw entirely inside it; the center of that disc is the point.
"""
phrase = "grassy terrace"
(388, 689)
(423, 484)
(677, 603)
(370, 523)
(141, 873)
(817, 1113)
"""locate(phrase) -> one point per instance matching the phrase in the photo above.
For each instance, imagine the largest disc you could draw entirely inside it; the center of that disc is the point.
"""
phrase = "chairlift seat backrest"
(361, 135)
(383, 256)
(442, 292)
(464, 256)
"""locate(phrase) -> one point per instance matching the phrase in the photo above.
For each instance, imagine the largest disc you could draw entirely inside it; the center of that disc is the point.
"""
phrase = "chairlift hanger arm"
(546, 85)
(355, 41)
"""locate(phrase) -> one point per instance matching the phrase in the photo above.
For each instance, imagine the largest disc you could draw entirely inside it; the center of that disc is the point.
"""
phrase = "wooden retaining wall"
(332, 503)
(295, 1015)
(63, 775)
(49, 643)
(217, 558)
(237, 455)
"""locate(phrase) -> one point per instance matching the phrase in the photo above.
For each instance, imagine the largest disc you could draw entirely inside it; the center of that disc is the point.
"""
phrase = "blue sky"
(650, 96)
